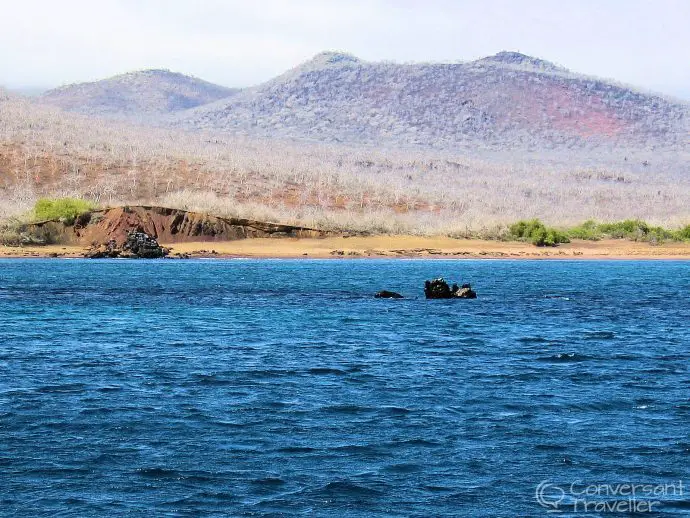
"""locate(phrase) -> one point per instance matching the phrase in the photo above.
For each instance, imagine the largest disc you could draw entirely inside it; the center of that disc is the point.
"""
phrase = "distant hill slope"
(45, 151)
(507, 100)
(144, 93)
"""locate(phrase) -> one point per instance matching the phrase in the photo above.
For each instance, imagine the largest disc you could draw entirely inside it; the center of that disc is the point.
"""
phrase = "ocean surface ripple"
(282, 387)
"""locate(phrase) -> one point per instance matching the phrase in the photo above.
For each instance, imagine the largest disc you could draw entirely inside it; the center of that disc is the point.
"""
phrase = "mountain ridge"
(506, 100)
(148, 92)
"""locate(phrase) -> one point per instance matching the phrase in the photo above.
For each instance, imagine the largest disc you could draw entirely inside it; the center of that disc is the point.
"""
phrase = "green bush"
(10, 232)
(15, 232)
(525, 229)
(10, 238)
(683, 234)
(537, 233)
(630, 228)
(659, 234)
(63, 209)
(638, 230)
(634, 229)
(588, 230)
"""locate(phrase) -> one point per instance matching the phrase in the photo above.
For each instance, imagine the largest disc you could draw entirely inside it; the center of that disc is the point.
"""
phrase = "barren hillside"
(375, 179)
(504, 101)
(142, 94)
(47, 152)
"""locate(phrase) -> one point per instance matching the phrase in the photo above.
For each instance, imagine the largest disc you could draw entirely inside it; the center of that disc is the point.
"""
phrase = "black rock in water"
(439, 289)
(385, 294)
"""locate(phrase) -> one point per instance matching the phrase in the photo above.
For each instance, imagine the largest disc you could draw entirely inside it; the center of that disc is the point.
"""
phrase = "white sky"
(239, 43)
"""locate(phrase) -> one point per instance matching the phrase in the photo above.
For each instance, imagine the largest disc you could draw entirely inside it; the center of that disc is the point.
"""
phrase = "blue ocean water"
(281, 387)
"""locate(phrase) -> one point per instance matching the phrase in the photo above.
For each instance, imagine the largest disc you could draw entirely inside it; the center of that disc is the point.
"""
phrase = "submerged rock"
(439, 289)
(385, 294)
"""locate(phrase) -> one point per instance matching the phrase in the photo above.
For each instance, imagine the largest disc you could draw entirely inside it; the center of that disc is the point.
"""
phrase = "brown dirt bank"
(167, 225)
(393, 246)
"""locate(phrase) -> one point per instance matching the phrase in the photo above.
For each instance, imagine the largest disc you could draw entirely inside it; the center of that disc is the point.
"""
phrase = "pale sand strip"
(395, 246)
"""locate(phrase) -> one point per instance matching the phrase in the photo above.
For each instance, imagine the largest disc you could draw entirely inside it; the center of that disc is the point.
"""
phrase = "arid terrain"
(340, 144)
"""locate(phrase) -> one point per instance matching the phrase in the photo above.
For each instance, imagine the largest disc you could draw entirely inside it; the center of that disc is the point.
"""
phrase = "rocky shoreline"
(138, 245)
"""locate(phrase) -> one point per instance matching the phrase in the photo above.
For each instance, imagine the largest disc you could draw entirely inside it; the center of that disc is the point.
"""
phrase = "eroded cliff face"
(166, 225)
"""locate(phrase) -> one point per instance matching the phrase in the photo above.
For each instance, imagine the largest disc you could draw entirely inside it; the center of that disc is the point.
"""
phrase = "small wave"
(95, 411)
(565, 358)
(268, 481)
(158, 473)
(346, 488)
(67, 388)
(549, 447)
(202, 476)
(229, 424)
(278, 404)
(533, 340)
(606, 405)
(109, 388)
(94, 363)
(322, 371)
(55, 471)
(469, 341)
(356, 367)
(296, 449)
(209, 379)
(625, 357)
(358, 449)
(347, 409)
(272, 373)
(439, 489)
(217, 495)
(394, 410)
(599, 335)
(405, 467)
(75, 501)
(416, 442)
(674, 504)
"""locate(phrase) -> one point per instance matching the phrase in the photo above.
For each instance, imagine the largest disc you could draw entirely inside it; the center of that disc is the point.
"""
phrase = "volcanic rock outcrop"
(138, 245)
(439, 289)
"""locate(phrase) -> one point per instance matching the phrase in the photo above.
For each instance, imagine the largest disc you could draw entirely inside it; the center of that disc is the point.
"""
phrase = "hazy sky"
(239, 43)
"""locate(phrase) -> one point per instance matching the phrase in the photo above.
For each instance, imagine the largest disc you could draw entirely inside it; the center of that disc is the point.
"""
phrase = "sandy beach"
(391, 246)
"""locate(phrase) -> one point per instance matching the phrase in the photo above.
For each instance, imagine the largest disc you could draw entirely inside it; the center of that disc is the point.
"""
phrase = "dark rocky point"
(143, 246)
(138, 245)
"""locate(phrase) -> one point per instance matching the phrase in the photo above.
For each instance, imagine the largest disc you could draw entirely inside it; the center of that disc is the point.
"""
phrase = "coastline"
(363, 247)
